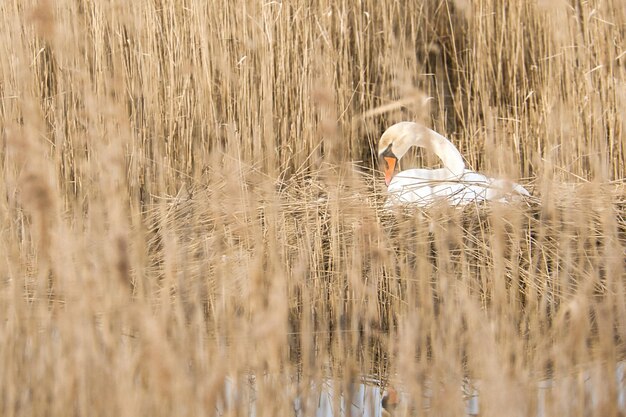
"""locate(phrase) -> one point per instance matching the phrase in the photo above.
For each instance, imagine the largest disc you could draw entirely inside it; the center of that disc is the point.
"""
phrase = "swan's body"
(453, 184)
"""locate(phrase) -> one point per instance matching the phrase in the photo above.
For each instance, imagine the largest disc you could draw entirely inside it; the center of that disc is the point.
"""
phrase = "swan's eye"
(387, 153)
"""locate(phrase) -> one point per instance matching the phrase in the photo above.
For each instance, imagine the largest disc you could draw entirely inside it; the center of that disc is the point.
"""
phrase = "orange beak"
(389, 170)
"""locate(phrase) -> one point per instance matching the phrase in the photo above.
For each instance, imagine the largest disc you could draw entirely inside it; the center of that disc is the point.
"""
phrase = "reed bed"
(193, 219)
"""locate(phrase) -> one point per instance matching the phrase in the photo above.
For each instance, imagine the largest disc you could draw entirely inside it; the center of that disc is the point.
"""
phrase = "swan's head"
(396, 141)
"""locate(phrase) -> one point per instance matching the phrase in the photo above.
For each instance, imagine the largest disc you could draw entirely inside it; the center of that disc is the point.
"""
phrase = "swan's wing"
(459, 193)
(423, 187)
(494, 189)
(410, 176)
(474, 178)
(412, 186)
(520, 190)
(471, 187)
(505, 191)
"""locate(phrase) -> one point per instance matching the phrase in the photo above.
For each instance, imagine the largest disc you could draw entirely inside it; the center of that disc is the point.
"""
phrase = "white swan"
(423, 187)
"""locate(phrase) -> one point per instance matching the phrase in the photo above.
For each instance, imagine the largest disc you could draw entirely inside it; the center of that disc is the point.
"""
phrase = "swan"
(452, 183)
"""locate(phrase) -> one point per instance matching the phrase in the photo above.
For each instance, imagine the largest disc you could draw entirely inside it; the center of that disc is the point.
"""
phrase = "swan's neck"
(446, 151)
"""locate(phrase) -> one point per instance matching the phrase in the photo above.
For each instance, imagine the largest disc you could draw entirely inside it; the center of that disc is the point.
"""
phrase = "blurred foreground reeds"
(191, 196)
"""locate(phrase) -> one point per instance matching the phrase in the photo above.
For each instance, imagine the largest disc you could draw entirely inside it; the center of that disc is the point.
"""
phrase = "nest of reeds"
(341, 250)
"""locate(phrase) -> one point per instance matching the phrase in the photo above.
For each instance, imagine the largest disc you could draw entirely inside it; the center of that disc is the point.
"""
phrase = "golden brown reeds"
(192, 220)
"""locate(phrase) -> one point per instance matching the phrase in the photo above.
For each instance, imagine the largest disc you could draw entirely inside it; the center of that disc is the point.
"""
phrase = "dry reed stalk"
(192, 203)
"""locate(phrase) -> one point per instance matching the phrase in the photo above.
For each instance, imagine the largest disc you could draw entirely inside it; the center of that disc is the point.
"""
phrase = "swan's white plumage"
(453, 184)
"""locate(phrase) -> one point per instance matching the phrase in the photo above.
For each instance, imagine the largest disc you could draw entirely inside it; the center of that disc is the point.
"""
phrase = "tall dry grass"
(191, 196)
